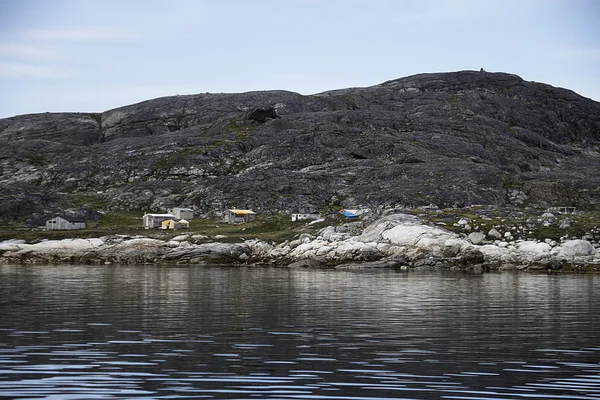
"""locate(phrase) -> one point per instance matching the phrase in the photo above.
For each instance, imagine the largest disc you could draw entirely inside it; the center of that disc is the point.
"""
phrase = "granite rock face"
(448, 139)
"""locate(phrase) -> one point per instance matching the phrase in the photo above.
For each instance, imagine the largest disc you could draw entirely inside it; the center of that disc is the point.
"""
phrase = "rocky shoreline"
(399, 241)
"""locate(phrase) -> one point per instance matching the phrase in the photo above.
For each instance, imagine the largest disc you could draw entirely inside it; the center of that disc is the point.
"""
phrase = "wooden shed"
(61, 223)
(235, 216)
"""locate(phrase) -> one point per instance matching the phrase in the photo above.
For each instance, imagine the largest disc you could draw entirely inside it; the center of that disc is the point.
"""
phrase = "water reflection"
(83, 332)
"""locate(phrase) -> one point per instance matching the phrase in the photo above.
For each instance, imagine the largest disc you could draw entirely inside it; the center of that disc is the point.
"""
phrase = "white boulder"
(534, 250)
(494, 234)
(476, 237)
(577, 248)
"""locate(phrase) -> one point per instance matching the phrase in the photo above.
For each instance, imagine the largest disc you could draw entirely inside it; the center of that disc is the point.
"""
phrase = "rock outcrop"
(394, 241)
(121, 250)
(448, 139)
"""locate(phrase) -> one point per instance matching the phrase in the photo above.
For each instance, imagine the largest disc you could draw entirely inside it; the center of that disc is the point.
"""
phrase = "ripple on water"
(269, 333)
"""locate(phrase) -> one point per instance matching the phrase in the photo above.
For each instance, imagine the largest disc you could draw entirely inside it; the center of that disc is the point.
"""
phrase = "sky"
(96, 55)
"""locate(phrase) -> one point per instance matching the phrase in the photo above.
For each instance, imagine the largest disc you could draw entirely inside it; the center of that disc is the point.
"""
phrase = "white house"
(65, 224)
(155, 220)
(182, 213)
(299, 217)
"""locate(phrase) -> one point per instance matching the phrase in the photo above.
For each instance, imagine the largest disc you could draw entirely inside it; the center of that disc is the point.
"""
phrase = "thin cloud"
(25, 70)
(26, 52)
(582, 53)
(74, 34)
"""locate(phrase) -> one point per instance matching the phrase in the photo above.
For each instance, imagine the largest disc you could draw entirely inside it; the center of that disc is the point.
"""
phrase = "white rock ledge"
(397, 240)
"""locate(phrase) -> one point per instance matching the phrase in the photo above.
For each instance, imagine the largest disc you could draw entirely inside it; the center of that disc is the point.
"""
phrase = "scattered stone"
(566, 223)
(588, 236)
(476, 237)
(494, 234)
(531, 222)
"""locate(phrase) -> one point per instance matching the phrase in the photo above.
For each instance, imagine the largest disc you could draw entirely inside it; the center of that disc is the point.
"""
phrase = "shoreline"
(396, 241)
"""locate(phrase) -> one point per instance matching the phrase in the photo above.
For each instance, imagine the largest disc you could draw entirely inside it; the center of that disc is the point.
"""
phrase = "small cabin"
(155, 220)
(236, 216)
(64, 224)
(300, 217)
(182, 213)
(172, 224)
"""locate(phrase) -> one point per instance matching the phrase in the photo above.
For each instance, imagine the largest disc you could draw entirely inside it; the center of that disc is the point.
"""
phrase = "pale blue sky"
(94, 55)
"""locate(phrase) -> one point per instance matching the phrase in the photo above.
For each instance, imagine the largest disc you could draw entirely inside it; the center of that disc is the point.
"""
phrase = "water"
(150, 332)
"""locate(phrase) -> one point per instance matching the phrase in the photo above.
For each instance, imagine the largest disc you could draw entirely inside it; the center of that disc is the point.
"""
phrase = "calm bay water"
(152, 332)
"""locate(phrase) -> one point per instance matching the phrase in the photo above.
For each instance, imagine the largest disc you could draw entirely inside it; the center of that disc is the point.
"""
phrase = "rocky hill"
(446, 139)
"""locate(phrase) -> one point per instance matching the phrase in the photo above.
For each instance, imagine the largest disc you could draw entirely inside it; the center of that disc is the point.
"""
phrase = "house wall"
(61, 224)
(76, 225)
(182, 213)
(230, 218)
(185, 214)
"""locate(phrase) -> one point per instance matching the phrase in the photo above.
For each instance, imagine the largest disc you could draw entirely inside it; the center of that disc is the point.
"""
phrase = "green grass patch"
(278, 229)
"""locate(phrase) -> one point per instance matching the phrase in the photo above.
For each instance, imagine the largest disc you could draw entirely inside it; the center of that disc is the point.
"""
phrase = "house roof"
(241, 212)
(182, 209)
(70, 219)
(162, 215)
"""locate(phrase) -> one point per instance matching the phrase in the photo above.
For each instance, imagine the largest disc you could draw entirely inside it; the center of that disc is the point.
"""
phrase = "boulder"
(494, 234)
(409, 235)
(566, 223)
(453, 246)
(476, 237)
(531, 250)
(471, 255)
(577, 248)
